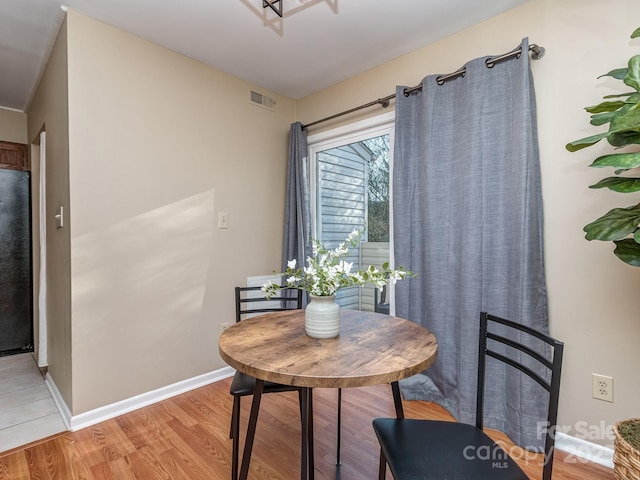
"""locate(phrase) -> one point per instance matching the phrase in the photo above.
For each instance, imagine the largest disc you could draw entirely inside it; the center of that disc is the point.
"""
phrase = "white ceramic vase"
(322, 317)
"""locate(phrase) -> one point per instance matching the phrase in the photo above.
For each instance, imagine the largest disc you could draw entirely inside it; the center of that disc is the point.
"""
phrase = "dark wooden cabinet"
(13, 156)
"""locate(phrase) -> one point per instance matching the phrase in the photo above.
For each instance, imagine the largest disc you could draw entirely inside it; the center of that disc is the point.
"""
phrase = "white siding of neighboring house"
(342, 203)
(342, 206)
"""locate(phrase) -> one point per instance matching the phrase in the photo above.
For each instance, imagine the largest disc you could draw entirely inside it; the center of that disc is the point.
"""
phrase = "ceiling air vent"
(262, 100)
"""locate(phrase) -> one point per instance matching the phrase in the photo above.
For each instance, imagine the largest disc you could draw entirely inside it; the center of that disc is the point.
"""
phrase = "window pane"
(378, 189)
(353, 191)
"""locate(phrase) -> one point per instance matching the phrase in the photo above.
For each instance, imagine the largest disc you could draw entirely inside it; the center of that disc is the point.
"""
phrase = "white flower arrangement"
(327, 271)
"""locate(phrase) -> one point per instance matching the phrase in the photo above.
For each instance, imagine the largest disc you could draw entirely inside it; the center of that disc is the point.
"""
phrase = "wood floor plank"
(77, 469)
(208, 445)
(147, 463)
(14, 467)
(170, 410)
(187, 437)
(104, 442)
(142, 428)
(183, 466)
(118, 468)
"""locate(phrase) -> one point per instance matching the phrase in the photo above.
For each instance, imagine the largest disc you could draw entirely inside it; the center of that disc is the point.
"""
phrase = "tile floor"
(27, 410)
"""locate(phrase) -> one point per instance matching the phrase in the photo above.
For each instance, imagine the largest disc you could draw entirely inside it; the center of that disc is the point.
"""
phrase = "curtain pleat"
(297, 221)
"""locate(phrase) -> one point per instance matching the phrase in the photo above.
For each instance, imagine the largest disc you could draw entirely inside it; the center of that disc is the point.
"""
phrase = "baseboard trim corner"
(584, 450)
(83, 420)
(65, 413)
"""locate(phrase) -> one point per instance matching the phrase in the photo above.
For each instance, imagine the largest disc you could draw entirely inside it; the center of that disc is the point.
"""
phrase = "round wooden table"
(371, 349)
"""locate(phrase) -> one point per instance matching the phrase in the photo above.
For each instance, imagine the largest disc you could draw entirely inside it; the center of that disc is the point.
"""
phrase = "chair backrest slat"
(247, 303)
(522, 348)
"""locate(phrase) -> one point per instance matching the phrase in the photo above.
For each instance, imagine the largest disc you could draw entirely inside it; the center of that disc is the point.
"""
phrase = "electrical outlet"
(602, 387)
(223, 327)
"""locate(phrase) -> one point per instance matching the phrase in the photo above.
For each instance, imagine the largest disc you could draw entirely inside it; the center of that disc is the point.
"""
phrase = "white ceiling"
(316, 44)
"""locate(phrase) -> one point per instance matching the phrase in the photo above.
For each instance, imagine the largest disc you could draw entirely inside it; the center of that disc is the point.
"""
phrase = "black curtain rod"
(537, 53)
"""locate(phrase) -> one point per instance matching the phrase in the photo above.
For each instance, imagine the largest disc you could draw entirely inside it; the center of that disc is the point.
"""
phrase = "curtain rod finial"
(537, 51)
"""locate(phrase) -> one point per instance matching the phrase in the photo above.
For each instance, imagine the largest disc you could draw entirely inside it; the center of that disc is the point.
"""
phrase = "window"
(351, 189)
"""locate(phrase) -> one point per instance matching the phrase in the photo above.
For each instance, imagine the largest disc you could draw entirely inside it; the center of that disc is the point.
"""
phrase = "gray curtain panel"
(297, 220)
(467, 218)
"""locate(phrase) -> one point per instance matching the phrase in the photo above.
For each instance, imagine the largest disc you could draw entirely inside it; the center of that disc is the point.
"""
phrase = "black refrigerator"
(16, 280)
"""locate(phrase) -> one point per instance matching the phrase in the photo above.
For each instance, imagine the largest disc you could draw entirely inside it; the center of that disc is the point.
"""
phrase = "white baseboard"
(83, 420)
(581, 450)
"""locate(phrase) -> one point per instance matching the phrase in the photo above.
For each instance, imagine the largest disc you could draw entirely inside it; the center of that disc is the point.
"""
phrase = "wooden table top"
(371, 349)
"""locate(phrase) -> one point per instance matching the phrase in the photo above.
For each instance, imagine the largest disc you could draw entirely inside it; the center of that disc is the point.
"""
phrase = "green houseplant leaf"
(618, 95)
(618, 73)
(623, 161)
(628, 251)
(624, 128)
(632, 78)
(585, 142)
(602, 118)
(616, 224)
(619, 184)
(605, 107)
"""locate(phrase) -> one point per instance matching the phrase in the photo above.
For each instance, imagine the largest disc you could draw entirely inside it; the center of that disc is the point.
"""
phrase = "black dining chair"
(429, 449)
(380, 305)
(250, 300)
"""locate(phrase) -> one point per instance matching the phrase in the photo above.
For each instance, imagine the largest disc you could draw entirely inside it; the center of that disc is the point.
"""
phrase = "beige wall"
(13, 126)
(158, 145)
(48, 111)
(593, 297)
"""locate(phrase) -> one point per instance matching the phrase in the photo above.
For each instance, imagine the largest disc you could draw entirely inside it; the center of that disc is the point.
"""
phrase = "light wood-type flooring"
(187, 437)
(27, 411)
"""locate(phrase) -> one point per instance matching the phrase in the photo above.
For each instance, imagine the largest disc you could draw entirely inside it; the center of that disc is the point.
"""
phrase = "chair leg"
(382, 469)
(305, 464)
(234, 412)
(300, 402)
(339, 428)
(235, 436)
(312, 471)
(251, 429)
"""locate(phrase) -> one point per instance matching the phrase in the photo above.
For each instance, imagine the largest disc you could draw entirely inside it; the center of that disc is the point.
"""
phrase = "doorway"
(16, 278)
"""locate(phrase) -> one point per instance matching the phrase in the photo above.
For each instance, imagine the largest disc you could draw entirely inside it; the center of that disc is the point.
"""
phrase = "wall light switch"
(223, 220)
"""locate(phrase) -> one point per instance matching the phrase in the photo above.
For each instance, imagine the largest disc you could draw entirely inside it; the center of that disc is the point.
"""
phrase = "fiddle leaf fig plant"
(622, 113)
